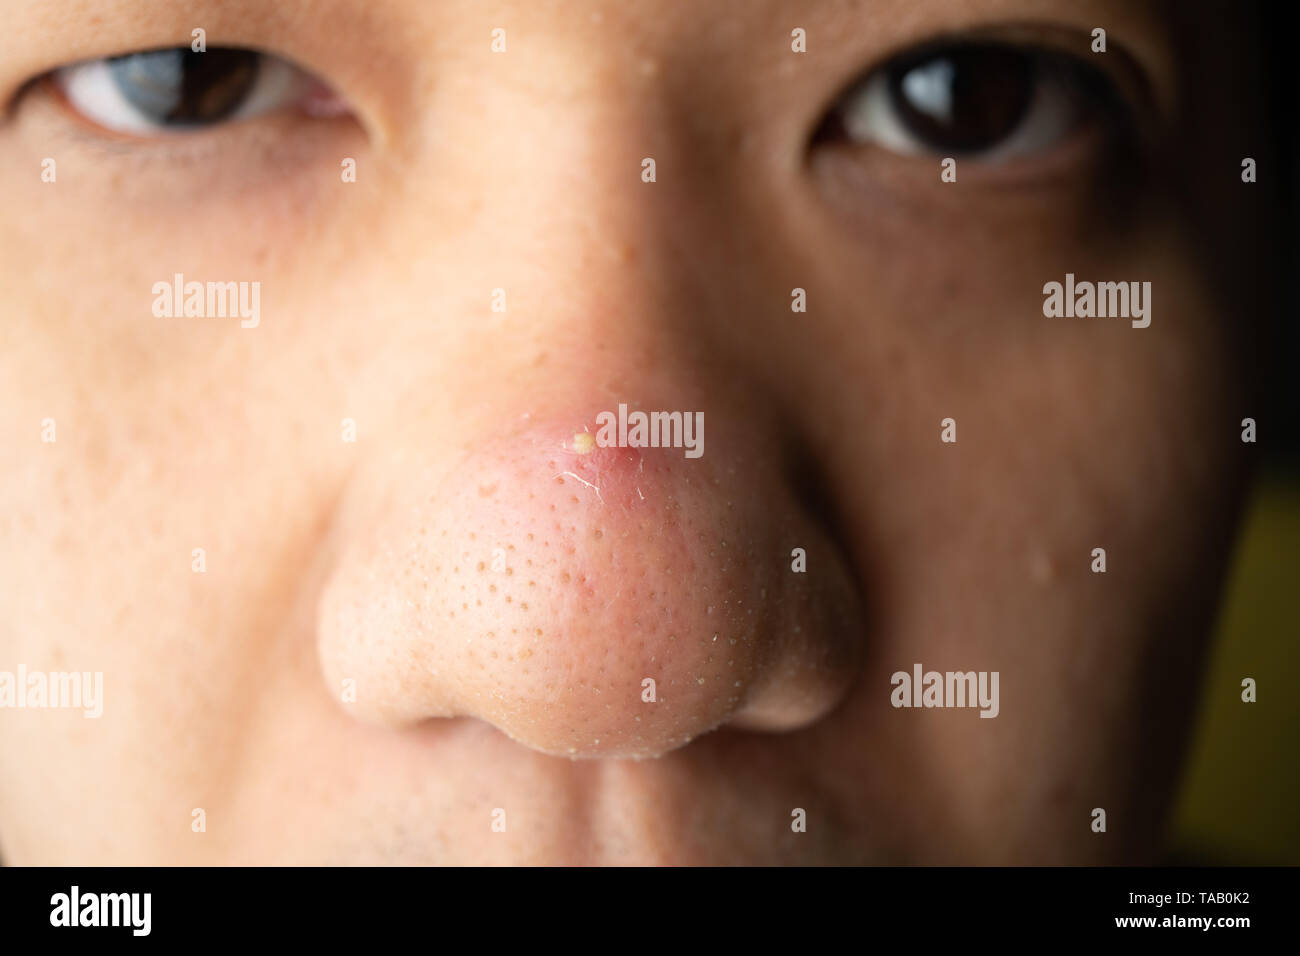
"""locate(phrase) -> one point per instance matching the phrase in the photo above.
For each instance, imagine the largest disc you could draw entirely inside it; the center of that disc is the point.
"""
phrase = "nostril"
(589, 601)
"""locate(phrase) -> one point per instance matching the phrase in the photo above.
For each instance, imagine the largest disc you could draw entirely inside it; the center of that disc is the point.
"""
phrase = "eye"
(988, 101)
(176, 90)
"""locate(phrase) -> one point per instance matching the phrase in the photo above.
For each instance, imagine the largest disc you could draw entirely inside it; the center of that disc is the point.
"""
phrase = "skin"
(476, 689)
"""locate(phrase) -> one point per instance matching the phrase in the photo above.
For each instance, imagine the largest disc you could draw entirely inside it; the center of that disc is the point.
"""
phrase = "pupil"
(964, 100)
(179, 86)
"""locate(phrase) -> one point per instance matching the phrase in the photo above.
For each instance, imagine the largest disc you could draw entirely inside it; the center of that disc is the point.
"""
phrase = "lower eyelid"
(1047, 173)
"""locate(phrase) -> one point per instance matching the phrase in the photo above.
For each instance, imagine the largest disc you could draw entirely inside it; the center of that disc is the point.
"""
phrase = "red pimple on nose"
(611, 473)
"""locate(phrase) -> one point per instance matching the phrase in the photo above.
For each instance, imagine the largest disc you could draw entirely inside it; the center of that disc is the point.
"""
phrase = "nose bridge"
(538, 192)
(570, 212)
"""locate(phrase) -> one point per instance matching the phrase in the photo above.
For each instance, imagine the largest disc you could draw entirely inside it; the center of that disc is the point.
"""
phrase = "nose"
(590, 591)
(592, 599)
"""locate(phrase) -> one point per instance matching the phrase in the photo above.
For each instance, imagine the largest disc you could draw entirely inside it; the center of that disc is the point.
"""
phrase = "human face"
(362, 584)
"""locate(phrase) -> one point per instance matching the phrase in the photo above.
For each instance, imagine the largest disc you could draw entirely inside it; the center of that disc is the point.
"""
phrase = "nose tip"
(590, 599)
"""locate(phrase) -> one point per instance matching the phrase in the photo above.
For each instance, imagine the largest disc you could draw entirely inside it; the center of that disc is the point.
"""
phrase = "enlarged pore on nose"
(591, 601)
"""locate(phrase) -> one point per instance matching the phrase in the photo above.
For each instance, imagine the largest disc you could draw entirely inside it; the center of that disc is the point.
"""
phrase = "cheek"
(1071, 435)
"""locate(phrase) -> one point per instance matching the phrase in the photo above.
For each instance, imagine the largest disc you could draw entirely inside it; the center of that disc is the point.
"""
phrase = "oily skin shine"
(521, 689)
